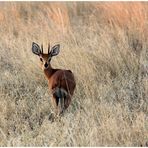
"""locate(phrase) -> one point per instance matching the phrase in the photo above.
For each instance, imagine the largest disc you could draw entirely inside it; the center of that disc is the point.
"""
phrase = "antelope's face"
(45, 58)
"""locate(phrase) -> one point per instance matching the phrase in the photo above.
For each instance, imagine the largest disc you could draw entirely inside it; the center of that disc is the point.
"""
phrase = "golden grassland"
(105, 44)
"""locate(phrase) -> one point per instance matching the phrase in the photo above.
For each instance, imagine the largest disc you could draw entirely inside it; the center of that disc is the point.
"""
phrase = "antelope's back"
(64, 79)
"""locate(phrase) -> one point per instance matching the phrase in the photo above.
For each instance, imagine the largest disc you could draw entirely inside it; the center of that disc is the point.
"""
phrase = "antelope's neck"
(48, 72)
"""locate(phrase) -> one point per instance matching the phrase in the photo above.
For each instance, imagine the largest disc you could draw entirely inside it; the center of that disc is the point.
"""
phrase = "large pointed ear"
(55, 50)
(36, 49)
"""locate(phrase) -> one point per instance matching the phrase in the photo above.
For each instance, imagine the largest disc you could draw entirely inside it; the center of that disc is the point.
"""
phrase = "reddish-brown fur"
(63, 79)
(61, 82)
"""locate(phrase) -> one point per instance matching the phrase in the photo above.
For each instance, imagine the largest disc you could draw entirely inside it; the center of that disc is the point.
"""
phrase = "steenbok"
(61, 82)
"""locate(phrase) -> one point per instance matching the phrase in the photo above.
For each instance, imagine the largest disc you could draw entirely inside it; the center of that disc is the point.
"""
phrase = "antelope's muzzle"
(46, 65)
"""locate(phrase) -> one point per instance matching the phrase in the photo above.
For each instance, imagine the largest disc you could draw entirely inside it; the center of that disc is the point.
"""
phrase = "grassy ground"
(104, 44)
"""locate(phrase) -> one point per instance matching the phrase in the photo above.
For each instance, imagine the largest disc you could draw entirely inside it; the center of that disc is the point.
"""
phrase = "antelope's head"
(45, 58)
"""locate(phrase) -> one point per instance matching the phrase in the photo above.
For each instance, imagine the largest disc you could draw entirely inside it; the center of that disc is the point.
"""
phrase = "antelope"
(61, 82)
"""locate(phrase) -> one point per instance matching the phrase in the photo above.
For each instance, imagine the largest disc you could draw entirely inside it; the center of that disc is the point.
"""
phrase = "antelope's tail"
(60, 95)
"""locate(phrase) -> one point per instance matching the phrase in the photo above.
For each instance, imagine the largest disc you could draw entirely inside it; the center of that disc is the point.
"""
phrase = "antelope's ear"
(55, 50)
(36, 49)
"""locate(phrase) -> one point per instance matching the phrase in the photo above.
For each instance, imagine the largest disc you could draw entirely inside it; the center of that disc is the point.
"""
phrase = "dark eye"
(41, 59)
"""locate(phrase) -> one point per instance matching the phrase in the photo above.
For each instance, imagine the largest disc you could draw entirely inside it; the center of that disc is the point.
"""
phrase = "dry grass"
(104, 44)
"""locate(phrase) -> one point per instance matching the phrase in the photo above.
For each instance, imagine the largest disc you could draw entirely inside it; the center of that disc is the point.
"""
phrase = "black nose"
(45, 65)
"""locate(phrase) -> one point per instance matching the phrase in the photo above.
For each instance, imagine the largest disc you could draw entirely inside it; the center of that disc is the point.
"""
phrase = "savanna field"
(105, 44)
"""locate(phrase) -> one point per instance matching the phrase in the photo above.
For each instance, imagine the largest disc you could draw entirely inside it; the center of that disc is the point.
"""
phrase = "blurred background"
(105, 44)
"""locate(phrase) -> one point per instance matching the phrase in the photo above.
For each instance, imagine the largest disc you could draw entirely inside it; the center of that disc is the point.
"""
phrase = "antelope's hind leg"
(67, 101)
(58, 101)
(61, 106)
(63, 95)
(55, 102)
